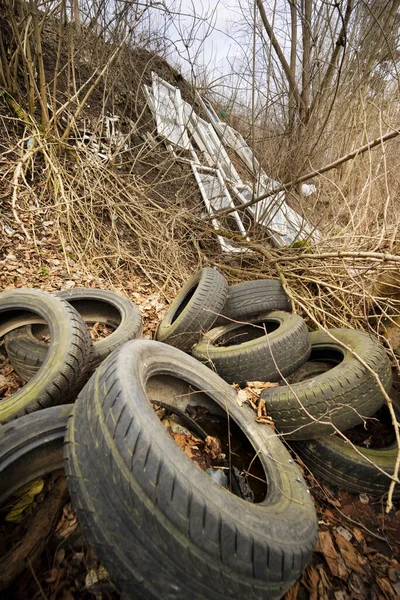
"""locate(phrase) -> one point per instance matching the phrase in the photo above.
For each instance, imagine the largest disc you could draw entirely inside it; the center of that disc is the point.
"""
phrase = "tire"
(253, 298)
(336, 462)
(31, 447)
(27, 353)
(66, 367)
(159, 524)
(340, 397)
(267, 357)
(194, 309)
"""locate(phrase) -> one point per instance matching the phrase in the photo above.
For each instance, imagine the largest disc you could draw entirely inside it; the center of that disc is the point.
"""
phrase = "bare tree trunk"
(275, 44)
(330, 72)
(40, 64)
(293, 62)
(306, 66)
(75, 15)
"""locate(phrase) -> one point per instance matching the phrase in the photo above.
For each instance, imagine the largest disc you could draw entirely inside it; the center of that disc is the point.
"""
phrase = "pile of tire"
(330, 381)
(161, 526)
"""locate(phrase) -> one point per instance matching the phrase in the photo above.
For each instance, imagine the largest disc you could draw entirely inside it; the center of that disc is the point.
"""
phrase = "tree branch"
(340, 44)
(286, 68)
(379, 256)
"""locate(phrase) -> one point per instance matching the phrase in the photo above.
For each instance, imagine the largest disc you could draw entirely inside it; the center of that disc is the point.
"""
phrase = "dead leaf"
(292, 593)
(326, 547)
(386, 588)
(261, 412)
(312, 583)
(349, 554)
(213, 446)
(261, 385)
(324, 583)
(26, 499)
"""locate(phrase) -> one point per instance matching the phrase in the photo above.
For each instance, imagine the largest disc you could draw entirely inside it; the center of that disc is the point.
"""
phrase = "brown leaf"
(261, 385)
(182, 440)
(213, 446)
(292, 593)
(53, 576)
(326, 547)
(313, 580)
(260, 411)
(386, 588)
(351, 558)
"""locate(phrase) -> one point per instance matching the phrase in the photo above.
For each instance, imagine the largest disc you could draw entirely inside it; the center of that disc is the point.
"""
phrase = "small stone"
(219, 476)
(344, 533)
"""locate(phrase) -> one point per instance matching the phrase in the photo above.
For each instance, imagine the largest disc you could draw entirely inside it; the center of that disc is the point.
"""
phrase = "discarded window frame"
(178, 123)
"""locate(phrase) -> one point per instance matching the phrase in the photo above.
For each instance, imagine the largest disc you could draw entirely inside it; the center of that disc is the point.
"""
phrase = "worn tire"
(341, 396)
(252, 298)
(194, 309)
(336, 462)
(27, 353)
(265, 358)
(66, 367)
(159, 524)
(31, 447)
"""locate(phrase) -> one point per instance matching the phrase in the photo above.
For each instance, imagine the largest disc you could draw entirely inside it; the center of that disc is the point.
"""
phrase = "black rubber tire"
(194, 310)
(336, 462)
(159, 524)
(266, 358)
(311, 369)
(26, 352)
(31, 447)
(253, 298)
(341, 396)
(67, 363)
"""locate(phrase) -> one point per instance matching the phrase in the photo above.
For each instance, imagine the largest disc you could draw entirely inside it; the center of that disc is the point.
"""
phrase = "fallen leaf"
(312, 583)
(26, 499)
(324, 584)
(386, 588)
(213, 446)
(326, 547)
(292, 593)
(261, 385)
(349, 554)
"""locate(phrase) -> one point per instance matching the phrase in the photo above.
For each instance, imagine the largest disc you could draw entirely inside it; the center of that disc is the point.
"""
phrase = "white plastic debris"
(178, 123)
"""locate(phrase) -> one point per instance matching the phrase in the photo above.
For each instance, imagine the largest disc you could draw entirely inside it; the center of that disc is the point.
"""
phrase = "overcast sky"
(211, 24)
